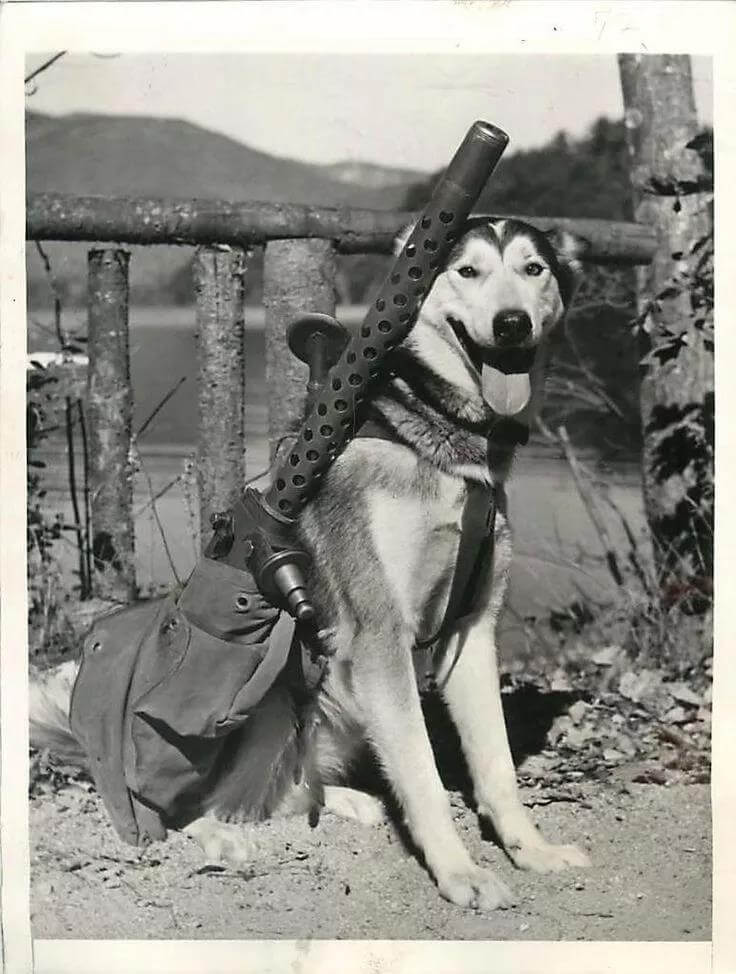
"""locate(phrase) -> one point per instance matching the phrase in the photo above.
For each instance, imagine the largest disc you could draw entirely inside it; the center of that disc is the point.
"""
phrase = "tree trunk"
(672, 186)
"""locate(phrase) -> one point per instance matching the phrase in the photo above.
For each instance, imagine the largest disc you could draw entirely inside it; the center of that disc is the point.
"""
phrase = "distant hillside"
(133, 155)
(138, 156)
(372, 175)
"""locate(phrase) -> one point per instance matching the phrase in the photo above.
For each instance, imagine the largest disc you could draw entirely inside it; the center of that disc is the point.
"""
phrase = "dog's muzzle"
(504, 370)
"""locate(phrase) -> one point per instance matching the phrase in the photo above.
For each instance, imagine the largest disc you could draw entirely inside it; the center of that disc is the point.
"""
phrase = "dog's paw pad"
(477, 889)
(544, 857)
(355, 805)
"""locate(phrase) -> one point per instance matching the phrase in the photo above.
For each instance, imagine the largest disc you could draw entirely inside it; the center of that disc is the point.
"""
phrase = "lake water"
(162, 351)
(557, 550)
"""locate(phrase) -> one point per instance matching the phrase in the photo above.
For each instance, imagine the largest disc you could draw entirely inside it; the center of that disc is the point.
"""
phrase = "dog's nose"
(511, 327)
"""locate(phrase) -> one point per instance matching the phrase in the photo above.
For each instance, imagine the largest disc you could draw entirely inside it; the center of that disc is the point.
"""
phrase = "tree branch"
(43, 67)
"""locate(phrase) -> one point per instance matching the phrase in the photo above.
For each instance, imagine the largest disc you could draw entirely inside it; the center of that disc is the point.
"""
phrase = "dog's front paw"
(477, 888)
(223, 843)
(544, 857)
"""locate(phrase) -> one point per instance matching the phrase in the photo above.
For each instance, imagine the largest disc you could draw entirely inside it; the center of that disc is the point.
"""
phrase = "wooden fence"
(300, 245)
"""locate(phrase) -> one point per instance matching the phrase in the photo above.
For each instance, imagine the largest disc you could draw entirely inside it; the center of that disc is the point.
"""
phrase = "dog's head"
(506, 283)
(504, 287)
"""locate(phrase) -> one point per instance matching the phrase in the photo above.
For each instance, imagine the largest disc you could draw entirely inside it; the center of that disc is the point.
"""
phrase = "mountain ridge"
(91, 154)
(87, 154)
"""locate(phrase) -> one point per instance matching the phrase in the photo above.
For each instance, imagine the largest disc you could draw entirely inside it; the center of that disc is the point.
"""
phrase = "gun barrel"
(473, 163)
(332, 420)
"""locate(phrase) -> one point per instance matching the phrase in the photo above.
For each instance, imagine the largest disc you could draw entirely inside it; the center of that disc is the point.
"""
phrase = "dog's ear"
(401, 238)
(570, 250)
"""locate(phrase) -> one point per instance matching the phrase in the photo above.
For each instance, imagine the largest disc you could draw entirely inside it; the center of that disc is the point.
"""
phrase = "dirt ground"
(650, 880)
(618, 765)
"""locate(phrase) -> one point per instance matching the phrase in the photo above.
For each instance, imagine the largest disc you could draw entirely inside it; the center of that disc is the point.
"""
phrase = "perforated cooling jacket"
(332, 421)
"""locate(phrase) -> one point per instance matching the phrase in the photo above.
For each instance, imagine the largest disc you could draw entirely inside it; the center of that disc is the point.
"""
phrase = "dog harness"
(475, 551)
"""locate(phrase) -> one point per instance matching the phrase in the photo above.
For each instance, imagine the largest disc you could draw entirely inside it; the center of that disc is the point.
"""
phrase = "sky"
(400, 110)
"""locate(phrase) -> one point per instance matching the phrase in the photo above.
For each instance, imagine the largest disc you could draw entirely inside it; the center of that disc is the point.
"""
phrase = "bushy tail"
(265, 762)
(49, 700)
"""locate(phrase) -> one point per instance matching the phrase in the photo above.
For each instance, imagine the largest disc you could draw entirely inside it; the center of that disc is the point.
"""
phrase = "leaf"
(638, 687)
(650, 773)
(664, 352)
(560, 682)
(37, 380)
(672, 186)
(608, 655)
(578, 711)
(703, 140)
(210, 868)
(700, 243)
(676, 715)
(537, 765)
(611, 754)
(560, 727)
(626, 745)
(576, 737)
(683, 694)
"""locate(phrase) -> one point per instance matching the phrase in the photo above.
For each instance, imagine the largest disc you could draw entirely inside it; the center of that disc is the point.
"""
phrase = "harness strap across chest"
(476, 545)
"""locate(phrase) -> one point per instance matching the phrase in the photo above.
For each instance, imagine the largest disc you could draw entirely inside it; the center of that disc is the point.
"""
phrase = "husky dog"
(384, 532)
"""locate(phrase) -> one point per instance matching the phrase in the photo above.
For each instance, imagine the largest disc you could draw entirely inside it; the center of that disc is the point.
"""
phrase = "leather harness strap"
(476, 544)
(476, 534)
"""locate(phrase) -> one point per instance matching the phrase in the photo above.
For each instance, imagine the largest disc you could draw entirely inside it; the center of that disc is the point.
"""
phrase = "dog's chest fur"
(417, 546)
(387, 532)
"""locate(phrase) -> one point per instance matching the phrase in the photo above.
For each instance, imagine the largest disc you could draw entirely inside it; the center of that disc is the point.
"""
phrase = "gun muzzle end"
(491, 133)
(303, 611)
(289, 581)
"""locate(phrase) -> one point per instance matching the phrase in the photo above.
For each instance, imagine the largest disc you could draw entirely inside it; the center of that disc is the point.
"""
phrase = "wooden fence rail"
(53, 216)
(301, 244)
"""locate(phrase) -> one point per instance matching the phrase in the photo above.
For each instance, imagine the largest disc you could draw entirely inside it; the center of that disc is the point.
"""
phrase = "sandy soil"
(650, 880)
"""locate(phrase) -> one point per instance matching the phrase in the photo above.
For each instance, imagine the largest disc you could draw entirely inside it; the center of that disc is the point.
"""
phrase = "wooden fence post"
(219, 286)
(298, 277)
(110, 411)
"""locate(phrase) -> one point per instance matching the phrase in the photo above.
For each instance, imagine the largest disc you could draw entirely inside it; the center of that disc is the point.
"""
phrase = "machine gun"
(259, 532)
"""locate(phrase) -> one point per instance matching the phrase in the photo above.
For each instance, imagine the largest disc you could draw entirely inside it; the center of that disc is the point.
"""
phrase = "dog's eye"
(467, 271)
(534, 269)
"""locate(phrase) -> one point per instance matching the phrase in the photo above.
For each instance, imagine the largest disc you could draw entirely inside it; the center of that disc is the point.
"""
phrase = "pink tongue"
(506, 394)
